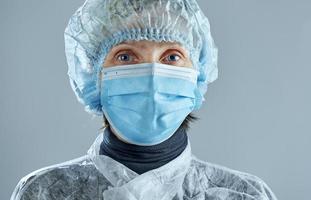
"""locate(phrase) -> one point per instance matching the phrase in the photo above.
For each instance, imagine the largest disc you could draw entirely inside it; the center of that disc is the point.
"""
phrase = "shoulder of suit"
(212, 178)
(37, 182)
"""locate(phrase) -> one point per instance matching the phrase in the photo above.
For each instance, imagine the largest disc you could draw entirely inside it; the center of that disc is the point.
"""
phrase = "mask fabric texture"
(146, 103)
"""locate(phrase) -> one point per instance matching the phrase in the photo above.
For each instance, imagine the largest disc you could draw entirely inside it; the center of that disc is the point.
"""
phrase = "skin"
(146, 51)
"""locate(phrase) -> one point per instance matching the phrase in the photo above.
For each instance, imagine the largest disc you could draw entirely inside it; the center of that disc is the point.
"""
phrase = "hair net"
(98, 25)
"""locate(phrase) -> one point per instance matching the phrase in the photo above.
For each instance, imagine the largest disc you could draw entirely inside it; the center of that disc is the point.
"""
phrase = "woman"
(144, 66)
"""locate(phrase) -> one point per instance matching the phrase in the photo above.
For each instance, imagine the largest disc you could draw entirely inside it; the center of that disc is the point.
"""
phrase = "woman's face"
(145, 51)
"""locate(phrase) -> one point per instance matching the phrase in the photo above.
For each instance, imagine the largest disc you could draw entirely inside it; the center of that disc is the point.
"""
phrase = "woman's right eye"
(125, 57)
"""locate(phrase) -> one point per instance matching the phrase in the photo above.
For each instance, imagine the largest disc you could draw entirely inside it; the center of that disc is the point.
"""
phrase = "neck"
(143, 158)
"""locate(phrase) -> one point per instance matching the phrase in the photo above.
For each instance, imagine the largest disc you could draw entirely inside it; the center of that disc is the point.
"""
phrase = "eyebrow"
(162, 44)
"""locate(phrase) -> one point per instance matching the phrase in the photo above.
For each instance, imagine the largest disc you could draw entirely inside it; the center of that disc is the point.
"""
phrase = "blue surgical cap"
(98, 25)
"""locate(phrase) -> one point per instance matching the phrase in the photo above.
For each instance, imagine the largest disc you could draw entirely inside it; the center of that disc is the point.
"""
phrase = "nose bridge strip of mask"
(188, 74)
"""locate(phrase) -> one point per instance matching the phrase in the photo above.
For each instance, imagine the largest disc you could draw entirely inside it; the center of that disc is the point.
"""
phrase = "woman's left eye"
(172, 58)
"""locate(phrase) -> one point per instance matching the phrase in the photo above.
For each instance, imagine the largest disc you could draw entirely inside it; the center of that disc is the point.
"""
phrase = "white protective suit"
(98, 177)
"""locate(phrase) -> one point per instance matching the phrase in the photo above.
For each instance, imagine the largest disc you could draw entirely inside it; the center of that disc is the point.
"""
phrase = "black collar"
(143, 158)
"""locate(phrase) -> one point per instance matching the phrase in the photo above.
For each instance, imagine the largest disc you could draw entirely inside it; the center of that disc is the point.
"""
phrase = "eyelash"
(130, 54)
(118, 56)
(173, 54)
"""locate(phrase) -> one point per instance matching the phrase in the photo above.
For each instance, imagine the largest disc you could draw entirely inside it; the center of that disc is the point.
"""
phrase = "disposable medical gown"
(98, 177)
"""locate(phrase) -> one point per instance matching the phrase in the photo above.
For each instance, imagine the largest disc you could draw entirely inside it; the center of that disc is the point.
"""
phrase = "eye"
(124, 57)
(172, 58)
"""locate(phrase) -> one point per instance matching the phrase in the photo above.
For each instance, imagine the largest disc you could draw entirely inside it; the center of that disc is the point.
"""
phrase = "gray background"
(256, 117)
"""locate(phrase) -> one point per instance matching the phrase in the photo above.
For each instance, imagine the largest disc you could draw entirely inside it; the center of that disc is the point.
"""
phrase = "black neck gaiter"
(143, 158)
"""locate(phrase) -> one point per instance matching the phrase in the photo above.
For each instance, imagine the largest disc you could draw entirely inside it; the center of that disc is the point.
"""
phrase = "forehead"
(149, 43)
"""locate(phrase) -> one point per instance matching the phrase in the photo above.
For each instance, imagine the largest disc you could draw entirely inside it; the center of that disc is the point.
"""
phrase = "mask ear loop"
(100, 82)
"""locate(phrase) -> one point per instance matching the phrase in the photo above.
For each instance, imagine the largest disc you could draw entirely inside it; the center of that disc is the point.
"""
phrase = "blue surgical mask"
(146, 103)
